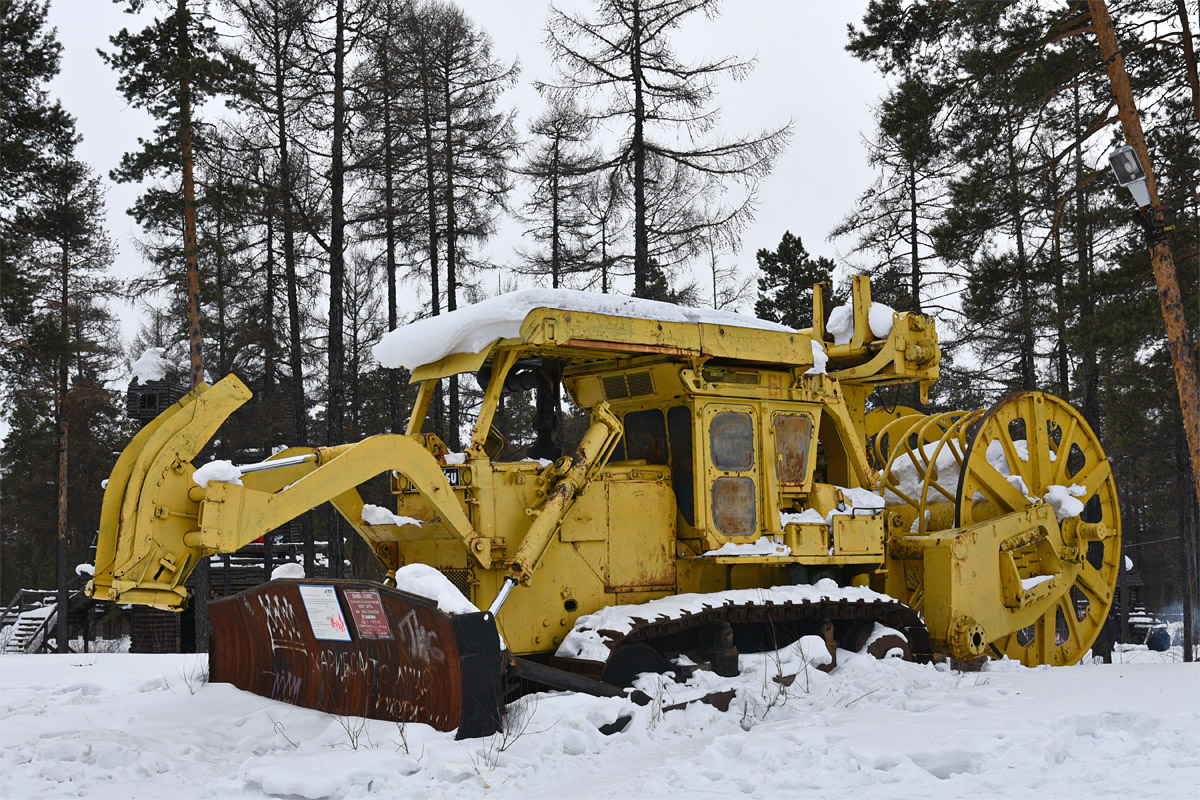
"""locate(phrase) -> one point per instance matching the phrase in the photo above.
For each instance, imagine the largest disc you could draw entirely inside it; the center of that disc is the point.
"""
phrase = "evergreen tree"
(66, 353)
(892, 220)
(34, 130)
(785, 287)
(170, 68)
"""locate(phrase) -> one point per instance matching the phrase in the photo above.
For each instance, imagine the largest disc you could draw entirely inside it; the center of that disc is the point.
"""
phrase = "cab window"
(793, 438)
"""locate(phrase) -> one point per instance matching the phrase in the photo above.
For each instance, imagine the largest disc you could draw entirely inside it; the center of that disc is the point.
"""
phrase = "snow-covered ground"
(134, 726)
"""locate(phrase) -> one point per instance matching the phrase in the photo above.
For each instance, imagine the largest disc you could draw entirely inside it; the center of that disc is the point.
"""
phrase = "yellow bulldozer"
(730, 494)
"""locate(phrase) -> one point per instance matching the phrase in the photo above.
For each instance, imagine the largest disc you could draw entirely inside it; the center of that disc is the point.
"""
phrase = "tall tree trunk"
(913, 232)
(604, 257)
(60, 407)
(451, 251)
(1024, 292)
(1088, 368)
(337, 353)
(431, 220)
(269, 310)
(389, 225)
(641, 243)
(1060, 316)
(200, 576)
(555, 265)
(295, 334)
(1189, 57)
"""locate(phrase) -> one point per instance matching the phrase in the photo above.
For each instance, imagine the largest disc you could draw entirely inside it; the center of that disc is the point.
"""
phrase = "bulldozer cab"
(725, 417)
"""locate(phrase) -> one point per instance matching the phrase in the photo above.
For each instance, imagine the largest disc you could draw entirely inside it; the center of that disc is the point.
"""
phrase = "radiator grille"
(640, 384)
(621, 387)
(615, 388)
(460, 577)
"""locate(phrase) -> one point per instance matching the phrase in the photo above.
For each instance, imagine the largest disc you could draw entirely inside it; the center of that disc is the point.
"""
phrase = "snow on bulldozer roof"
(476, 327)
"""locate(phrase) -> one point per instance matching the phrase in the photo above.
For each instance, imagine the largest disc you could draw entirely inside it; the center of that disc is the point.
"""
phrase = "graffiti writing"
(282, 624)
(421, 643)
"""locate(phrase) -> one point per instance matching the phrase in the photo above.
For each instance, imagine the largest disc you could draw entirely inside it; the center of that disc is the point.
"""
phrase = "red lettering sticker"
(369, 616)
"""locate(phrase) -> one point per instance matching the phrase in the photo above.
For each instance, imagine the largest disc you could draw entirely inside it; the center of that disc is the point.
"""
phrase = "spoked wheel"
(1024, 445)
(923, 457)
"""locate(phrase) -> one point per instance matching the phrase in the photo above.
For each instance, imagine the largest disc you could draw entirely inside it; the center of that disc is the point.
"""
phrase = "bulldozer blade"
(358, 648)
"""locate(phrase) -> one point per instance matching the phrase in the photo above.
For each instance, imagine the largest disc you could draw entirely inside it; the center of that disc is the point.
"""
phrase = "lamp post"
(1130, 174)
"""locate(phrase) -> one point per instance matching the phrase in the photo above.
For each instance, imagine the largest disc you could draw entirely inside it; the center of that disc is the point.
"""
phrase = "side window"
(679, 425)
(646, 436)
(734, 497)
(793, 438)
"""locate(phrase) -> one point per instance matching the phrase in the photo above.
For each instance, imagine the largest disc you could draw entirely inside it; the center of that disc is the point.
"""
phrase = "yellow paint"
(602, 526)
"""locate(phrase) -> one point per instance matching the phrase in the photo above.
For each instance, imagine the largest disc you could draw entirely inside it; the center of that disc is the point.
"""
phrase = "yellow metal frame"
(583, 532)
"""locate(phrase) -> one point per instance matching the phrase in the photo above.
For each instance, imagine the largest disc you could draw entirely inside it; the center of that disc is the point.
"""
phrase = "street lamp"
(1130, 174)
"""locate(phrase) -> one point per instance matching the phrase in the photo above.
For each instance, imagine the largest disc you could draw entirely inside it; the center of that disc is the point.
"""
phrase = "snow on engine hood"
(470, 329)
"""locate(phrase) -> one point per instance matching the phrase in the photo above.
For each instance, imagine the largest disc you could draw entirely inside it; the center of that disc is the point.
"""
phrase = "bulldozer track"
(759, 627)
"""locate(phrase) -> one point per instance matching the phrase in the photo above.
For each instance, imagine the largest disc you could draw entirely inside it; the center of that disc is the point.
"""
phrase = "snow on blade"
(586, 642)
(289, 570)
(219, 471)
(470, 329)
(425, 581)
(1036, 580)
(841, 325)
(378, 515)
(841, 322)
(150, 366)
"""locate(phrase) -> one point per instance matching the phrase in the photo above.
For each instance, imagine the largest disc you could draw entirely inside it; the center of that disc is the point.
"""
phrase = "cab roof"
(584, 326)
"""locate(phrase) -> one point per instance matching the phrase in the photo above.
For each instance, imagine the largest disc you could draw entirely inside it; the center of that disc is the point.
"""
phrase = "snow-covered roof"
(150, 366)
(471, 329)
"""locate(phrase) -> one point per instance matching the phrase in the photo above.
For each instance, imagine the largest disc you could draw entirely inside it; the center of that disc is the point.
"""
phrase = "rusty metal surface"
(441, 670)
(733, 505)
(793, 433)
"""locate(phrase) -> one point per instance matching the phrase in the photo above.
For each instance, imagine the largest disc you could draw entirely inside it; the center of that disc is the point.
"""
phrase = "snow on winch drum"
(730, 494)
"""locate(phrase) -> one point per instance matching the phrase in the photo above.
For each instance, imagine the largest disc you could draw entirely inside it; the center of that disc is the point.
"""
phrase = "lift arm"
(156, 523)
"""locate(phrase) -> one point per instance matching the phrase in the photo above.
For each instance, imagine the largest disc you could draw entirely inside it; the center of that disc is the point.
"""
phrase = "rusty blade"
(358, 648)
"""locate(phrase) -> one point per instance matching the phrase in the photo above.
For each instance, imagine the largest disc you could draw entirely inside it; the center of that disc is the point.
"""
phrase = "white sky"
(802, 74)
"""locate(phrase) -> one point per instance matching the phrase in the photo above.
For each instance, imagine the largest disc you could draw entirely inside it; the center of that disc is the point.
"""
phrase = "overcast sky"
(803, 74)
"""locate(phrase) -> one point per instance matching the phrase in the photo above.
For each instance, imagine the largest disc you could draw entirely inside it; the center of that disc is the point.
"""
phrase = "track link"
(716, 633)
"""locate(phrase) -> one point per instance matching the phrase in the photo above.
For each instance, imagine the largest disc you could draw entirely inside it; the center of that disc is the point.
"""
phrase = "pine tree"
(34, 130)
(785, 288)
(170, 68)
(66, 351)
(892, 220)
